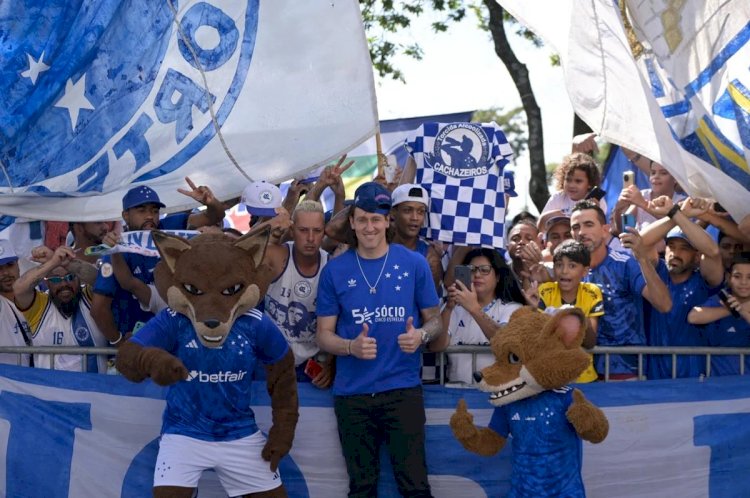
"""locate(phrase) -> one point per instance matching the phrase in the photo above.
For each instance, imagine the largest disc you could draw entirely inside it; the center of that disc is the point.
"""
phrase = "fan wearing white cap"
(15, 329)
(410, 205)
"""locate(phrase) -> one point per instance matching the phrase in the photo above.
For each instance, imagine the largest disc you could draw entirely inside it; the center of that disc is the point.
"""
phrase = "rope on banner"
(211, 110)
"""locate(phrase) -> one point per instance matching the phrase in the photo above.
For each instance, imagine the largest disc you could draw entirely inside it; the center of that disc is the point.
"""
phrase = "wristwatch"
(425, 336)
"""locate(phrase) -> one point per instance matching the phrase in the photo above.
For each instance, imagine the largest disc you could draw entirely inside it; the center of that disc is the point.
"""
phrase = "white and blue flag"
(100, 95)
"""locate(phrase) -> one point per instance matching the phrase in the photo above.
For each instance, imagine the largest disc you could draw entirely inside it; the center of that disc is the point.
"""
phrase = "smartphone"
(628, 179)
(719, 208)
(313, 368)
(627, 220)
(724, 296)
(596, 193)
(462, 273)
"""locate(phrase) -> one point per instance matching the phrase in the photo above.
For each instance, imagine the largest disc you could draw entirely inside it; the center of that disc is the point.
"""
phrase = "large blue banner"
(67, 434)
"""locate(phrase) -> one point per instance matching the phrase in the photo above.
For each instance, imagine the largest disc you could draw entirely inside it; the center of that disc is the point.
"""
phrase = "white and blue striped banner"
(68, 434)
(100, 95)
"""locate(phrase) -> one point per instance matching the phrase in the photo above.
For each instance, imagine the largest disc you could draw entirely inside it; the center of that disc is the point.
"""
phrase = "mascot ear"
(170, 247)
(569, 325)
(255, 242)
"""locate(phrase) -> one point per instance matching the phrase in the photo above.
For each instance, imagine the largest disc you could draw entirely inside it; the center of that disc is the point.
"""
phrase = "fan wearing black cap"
(376, 309)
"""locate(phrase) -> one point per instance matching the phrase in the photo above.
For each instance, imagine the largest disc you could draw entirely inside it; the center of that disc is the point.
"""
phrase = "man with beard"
(60, 316)
(14, 330)
(693, 272)
(116, 311)
(623, 279)
(87, 234)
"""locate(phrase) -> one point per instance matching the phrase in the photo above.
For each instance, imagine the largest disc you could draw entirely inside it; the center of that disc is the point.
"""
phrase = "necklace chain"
(373, 288)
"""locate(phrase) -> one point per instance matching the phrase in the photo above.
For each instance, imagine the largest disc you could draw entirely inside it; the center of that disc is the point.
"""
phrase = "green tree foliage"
(513, 123)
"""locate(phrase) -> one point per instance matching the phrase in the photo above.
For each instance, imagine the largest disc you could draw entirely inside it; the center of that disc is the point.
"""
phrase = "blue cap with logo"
(373, 198)
(138, 196)
(7, 254)
(677, 233)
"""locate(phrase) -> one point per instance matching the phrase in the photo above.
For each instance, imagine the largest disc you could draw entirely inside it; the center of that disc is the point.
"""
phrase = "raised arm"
(655, 291)
(23, 288)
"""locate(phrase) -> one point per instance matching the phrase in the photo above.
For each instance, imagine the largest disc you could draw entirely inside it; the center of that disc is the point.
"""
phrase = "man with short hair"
(376, 309)
(296, 267)
(60, 316)
(14, 330)
(116, 311)
(88, 234)
(693, 272)
(623, 279)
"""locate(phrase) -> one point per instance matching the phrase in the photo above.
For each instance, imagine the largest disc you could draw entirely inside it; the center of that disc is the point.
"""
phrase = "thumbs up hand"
(411, 339)
(364, 347)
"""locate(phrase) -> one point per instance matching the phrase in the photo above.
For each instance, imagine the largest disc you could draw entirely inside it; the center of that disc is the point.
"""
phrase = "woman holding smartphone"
(474, 312)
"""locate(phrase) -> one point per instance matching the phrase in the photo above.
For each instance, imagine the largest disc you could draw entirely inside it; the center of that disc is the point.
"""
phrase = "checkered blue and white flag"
(96, 96)
(461, 166)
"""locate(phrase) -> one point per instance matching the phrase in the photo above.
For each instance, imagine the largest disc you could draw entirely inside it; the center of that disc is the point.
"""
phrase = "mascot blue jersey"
(547, 452)
(404, 288)
(213, 403)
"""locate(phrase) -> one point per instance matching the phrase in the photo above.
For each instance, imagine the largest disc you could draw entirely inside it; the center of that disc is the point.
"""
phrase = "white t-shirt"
(464, 330)
(11, 321)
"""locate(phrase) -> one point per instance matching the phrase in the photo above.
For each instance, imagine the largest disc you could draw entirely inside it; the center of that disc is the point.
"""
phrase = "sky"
(460, 71)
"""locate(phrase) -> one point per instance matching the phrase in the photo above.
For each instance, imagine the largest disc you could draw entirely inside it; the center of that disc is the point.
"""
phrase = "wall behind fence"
(67, 434)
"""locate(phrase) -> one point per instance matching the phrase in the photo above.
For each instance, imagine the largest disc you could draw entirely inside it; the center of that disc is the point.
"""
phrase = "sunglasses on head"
(58, 280)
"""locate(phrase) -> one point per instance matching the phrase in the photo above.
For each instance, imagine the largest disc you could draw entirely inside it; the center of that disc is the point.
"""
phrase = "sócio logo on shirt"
(379, 314)
(216, 378)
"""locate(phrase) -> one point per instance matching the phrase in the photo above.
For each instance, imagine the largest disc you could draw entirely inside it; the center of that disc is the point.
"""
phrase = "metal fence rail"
(607, 351)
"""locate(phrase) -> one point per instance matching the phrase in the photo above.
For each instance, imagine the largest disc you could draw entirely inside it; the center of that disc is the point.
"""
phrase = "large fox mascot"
(205, 347)
(536, 356)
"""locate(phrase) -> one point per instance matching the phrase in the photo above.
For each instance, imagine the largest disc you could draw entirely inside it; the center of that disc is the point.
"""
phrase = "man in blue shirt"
(376, 308)
(116, 311)
(623, 279)
(693, 272)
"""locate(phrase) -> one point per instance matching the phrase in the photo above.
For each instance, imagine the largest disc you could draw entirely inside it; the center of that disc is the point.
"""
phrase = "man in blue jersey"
(205, 347)
(623, 279)
(377, 307)
(116, 311)
(693, 272)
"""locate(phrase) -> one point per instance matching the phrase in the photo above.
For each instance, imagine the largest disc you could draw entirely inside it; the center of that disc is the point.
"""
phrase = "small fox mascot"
(536, 356)
(205, 347)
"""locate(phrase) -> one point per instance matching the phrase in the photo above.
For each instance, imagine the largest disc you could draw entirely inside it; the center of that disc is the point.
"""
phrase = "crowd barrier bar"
(640, 351)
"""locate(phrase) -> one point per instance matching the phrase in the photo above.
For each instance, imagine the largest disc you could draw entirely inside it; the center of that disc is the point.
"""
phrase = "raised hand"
(201, 194)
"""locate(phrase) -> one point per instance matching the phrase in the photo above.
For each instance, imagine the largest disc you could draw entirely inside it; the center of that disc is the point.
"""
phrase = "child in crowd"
(571, 262)
(726, 317)
(635, 201)
(575, 177)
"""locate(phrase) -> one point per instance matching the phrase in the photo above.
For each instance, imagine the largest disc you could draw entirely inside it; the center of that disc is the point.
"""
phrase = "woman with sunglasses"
(472, 314)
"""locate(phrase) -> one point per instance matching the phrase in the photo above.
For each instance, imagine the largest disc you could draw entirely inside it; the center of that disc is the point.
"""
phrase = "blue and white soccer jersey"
(213, 404)
(461, 166)
(728, 332)
(405, 288)
(621, 281)
(547, 451)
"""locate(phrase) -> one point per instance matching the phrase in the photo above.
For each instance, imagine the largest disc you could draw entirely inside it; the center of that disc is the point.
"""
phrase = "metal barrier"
(640, 351)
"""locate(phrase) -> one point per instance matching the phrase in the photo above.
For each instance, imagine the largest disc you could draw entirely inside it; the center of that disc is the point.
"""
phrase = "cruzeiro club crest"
(97, 96)
(461, 150)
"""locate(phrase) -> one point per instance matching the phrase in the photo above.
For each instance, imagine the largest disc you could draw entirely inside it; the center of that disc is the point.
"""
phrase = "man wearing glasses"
(61, 315)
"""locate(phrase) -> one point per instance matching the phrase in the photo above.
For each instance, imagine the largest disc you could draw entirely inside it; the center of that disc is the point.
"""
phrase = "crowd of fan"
(663, 270)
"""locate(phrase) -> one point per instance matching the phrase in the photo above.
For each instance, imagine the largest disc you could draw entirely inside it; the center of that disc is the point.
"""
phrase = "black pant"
(395, 418)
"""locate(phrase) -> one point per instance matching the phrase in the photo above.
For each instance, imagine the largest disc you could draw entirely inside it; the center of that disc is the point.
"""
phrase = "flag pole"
(382, 160)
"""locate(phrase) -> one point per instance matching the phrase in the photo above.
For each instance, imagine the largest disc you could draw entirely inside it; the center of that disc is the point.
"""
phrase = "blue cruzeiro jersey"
(405, 288)
(728, 332)
(547, 451)
(213, 404)
(620, 279)
(672, 329)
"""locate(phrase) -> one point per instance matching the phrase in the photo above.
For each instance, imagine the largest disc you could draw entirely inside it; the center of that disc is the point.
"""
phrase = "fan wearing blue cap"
(692, 273)
(377, 308)
(114, 309)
